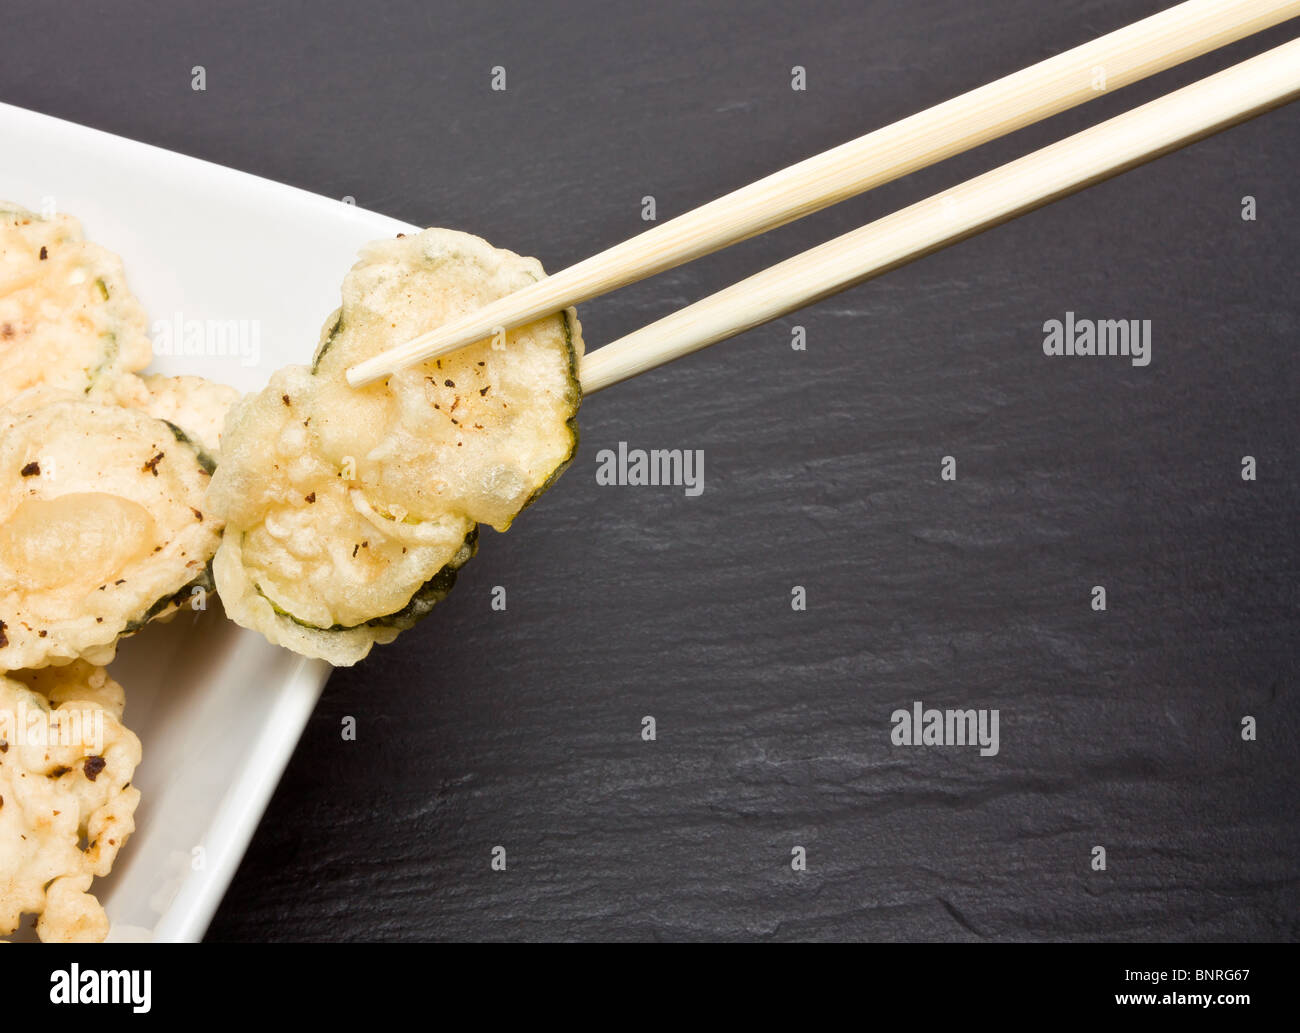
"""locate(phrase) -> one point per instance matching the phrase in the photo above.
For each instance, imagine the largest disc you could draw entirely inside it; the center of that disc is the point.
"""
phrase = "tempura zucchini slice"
(196, 405)
(480, 432)
(68, 322)
(102, 528)
(306, 558)
(349, 511)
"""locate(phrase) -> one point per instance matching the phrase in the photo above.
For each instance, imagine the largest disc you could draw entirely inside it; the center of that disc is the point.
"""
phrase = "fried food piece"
(67, 806)
(196, 405)
(101, 529)
(349, 511)
(68, 322)
(307, 560)
(75, 681)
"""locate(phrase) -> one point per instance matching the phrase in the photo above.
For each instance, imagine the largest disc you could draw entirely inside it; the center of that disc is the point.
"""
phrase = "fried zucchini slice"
(102, 528)
(307, 559)
(349, 511)
(68, 322)
(481, 432)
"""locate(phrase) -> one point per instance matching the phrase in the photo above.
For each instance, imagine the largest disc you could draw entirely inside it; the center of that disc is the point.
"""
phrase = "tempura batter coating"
(76, 681)
(349, 511)
(101, 529)
(196, 405)
(65, 779)
(68, 322)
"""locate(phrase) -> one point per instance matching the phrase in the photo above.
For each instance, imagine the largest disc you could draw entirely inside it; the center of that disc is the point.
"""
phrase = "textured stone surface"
(522, 728)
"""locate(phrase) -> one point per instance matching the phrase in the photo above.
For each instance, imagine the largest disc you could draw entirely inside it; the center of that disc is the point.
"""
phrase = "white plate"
(217, 709)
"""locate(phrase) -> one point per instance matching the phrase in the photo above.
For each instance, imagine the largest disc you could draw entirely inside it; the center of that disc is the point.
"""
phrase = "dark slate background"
(522, 728)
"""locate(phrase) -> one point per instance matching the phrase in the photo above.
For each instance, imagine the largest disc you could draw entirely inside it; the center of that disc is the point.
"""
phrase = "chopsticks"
(1055, 171)
(1047, 88)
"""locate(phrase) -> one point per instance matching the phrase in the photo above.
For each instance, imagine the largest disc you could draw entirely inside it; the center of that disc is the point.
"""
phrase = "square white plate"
(217, 709)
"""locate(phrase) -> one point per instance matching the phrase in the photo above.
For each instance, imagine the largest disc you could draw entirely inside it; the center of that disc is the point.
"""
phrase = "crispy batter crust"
(66, 805)
(349, 511)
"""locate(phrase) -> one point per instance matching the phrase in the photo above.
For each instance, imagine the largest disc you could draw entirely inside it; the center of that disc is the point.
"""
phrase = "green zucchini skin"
(204, 459)
(421, 604)
(326, 343)
(205, 579)
(432, 592)
(108, 364)
(176, 600)
(575, 402)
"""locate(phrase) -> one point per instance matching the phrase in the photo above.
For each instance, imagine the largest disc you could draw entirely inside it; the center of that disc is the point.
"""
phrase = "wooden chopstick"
(1063, 168)
(1051, 86)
